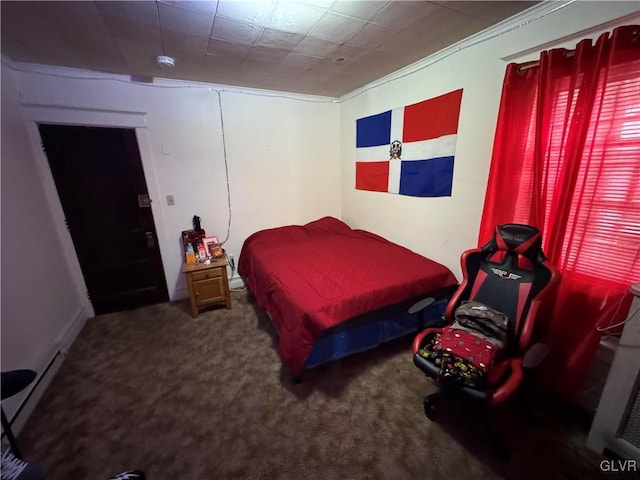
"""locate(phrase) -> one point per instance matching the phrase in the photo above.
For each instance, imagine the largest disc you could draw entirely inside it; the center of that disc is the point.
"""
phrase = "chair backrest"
(508, 273)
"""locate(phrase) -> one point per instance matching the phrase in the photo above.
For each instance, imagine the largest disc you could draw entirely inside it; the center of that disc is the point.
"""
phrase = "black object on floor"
(130, 475)
(14, 382)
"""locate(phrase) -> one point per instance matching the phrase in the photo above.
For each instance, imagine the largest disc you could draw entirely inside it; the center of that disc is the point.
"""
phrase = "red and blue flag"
(409, 150)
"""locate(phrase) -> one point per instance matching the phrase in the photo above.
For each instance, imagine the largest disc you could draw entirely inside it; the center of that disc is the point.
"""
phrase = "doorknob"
(151, 243)
(143, 200)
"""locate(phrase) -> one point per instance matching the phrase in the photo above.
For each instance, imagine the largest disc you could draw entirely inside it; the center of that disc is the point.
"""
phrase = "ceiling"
(313, 47)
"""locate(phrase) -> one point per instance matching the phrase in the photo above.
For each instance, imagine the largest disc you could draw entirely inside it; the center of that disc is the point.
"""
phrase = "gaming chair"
(510, 274)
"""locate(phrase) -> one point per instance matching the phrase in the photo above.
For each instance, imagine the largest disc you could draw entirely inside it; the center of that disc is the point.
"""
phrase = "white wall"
(282, 155)
(41, 307)
(284, 162)
(441, 228)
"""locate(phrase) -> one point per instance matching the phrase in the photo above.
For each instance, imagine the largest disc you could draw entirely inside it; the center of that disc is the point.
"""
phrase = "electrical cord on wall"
(629, 317)
(232, 263)
(226, 168)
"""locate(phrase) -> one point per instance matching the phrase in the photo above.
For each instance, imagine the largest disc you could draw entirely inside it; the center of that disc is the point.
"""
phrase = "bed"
(331, 290)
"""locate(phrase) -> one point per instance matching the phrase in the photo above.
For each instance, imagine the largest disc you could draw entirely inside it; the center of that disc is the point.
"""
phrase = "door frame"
(90, 117)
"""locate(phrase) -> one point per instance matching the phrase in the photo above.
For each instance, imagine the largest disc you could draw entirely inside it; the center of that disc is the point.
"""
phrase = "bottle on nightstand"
(190, 256)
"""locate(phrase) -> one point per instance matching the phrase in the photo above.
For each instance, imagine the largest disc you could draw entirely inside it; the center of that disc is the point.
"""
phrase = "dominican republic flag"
(409, 150)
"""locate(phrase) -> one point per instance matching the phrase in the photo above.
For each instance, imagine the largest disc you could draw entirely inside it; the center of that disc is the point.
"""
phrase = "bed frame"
(370, 330)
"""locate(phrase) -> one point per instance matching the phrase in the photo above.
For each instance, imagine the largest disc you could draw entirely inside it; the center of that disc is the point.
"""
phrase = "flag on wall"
(409, 150)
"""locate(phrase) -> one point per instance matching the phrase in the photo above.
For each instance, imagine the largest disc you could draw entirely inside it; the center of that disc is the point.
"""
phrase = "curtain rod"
(571, 53)
(535, 63)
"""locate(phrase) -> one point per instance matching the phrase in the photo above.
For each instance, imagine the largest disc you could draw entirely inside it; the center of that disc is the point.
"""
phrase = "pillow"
(328, 224)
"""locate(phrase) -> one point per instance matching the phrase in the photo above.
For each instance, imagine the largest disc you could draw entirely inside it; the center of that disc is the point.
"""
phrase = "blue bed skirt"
(366, 332)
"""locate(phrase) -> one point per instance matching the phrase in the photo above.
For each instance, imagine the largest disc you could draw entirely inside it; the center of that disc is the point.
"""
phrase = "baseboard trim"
(236, 282)
(67, 338)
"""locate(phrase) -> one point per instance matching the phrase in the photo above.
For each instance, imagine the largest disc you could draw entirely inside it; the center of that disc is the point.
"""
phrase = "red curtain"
(566, 159)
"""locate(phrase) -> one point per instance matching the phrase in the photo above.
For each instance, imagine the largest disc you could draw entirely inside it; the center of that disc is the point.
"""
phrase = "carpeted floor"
(208, 398)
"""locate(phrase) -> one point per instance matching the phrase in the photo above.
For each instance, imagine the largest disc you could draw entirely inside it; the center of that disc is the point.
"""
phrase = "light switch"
(170, 200)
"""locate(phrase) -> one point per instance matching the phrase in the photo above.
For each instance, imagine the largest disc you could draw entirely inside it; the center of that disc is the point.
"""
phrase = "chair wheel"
(429, 408)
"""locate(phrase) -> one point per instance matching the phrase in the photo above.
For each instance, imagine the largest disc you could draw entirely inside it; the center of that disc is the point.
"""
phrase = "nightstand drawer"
(210, 273)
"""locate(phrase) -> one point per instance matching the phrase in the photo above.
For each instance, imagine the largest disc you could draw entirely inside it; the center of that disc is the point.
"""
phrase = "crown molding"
(521, 19)
(92, 75)
(579, 35)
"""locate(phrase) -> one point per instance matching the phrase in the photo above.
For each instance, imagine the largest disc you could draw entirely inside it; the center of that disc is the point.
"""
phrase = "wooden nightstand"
(208, 285)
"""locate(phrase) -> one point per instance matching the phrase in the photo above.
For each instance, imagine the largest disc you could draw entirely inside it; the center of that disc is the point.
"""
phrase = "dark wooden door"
(99, 177)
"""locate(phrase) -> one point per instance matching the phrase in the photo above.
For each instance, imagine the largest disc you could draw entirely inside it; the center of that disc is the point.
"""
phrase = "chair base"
(495, 441)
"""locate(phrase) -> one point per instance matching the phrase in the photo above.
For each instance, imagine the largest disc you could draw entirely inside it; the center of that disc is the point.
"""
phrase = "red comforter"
(313, 277)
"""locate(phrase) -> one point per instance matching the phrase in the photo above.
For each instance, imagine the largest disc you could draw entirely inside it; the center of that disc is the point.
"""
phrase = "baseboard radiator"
(19, 407)
(616, 425)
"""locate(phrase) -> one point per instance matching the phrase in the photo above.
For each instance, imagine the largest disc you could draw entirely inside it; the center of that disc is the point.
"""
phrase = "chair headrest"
(518, 238)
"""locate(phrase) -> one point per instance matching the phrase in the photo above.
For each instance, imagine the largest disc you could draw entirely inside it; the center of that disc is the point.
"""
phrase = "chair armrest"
(535, 355)
(418, 340)
(505, 390)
